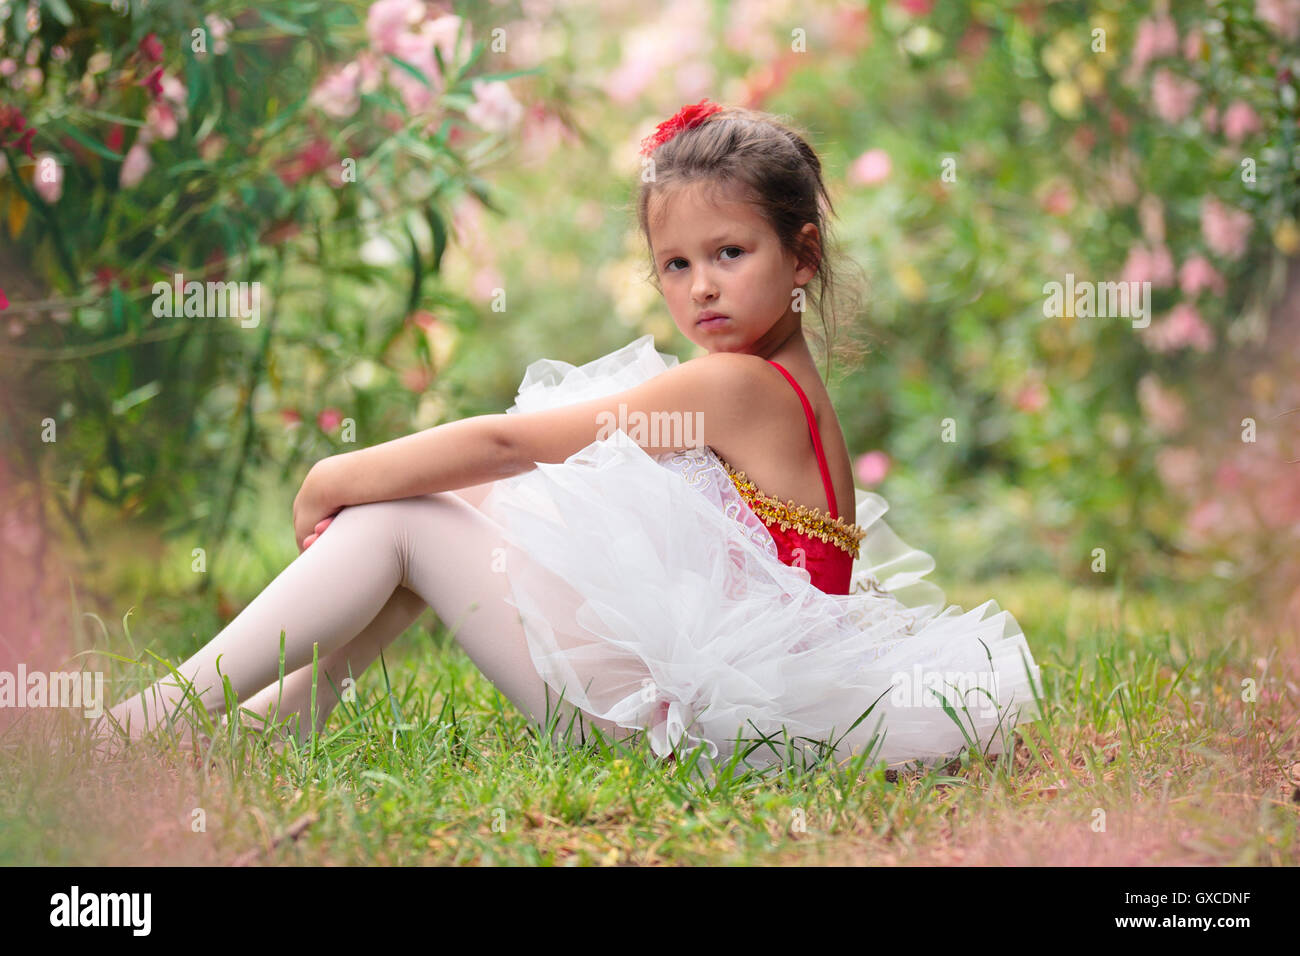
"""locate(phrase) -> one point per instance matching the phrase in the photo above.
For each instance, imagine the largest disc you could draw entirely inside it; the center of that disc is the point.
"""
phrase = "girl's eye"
(668, 267)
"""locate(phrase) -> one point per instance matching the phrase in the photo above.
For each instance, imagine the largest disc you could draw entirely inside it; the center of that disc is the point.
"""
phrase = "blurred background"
(422, 198)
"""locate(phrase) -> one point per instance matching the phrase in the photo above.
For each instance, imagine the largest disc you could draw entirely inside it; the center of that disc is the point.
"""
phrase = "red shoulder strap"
(816, 437)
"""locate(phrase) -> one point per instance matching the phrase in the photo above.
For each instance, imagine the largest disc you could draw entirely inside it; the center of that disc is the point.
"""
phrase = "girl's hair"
(775, 169)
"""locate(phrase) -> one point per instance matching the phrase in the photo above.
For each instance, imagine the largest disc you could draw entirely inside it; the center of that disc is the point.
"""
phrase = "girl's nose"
(703, 289)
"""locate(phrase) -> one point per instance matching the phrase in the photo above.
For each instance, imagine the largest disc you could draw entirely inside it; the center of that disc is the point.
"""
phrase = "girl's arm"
(703, 401)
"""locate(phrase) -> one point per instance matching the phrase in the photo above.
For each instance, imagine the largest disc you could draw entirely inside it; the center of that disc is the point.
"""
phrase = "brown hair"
(776, 170)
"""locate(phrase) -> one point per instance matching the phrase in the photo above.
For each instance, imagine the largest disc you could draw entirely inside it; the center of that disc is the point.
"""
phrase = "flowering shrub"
(303, 159)
(1017, 146)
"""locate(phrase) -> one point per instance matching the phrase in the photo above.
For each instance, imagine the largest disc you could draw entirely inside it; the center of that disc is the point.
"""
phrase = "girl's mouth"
(715, 322)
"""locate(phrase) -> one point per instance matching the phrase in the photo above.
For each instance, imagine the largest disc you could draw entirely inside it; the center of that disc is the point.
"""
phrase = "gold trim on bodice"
(809, 521)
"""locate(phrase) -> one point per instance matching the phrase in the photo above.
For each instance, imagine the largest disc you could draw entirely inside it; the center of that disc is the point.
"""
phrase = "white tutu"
(652, 597)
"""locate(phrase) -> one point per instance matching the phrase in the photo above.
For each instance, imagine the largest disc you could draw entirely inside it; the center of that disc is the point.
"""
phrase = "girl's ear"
(808, 259)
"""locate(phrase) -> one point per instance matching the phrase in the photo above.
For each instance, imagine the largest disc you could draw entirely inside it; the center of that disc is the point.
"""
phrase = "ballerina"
(638, 545)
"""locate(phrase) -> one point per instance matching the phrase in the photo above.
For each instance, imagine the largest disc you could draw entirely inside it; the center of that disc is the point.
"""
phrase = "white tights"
(363, 582)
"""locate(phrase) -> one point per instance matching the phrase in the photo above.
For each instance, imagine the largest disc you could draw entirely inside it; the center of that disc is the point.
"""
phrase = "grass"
(1151, 751)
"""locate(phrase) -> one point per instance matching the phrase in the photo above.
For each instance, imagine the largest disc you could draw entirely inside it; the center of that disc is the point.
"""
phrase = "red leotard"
(804, 536)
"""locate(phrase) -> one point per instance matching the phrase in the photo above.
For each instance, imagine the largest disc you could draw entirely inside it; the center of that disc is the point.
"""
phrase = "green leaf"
(286, 25)
(458, 101)
(417, 272)
(198, 82)
(439, 231)
(110, 117)
(417, 147)
(379, 99)
(117, 307)
(474, 55)
(413, 70)
(60, 11)
(437, 55)
(480, 190)
(136, 396)
(91, 143)
(285, 117)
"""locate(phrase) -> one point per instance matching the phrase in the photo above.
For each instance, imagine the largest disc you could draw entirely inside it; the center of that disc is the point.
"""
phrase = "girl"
(640, 545)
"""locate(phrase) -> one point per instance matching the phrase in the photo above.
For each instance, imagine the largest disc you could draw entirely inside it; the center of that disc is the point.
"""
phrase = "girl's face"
(723, 257)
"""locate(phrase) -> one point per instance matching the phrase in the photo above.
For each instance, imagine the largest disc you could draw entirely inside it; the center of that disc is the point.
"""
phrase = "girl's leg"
(438, 546)
(289, 700)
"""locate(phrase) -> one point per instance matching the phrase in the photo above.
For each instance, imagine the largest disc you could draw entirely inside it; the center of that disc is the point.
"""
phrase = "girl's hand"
(313, 510)
(317, 532)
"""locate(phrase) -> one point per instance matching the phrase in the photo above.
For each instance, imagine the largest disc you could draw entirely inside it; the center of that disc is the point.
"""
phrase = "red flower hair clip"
(688, 117)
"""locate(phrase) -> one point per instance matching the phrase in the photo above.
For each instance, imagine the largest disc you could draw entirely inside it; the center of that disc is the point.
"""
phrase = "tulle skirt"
(653, 598)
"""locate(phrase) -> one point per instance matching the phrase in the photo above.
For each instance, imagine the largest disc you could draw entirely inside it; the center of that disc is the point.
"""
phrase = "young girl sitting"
(642, 545)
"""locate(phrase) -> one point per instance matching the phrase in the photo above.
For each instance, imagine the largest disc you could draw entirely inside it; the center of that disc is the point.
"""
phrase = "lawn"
(1151, 751)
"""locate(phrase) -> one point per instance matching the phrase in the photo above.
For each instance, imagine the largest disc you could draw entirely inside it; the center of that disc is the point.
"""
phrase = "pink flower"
(4, 300)
(543, 132)
(870, 168)
(371, 71)
(1228, 476)
(417, 50)
(174, 90)
(1282, 15)
(1182, 327)
(329, 419)
(625, 82)
(1155, 266)
(151, 47)
(1192, 45)
(917, 8)
(153, 83)
(1197, 274)
(160, 120)
(1225, 228)
(1239, 121)
(48, 182)
(1206, 516)
(314, 156)
(442, 32)
(1156, 37)
(417, 378)
(1058, 200)
(290, 417)
(337, 94)
(1031, 397)
(872, 467)
(1172, 95)
(136, 163)
(386, 20)
(494, 108)
(1163, 409)
(219, 27)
